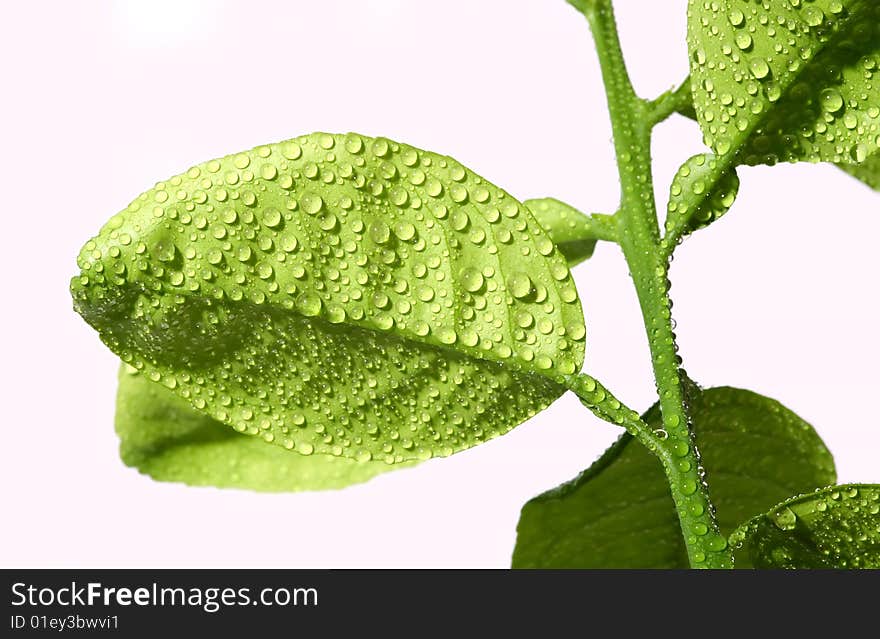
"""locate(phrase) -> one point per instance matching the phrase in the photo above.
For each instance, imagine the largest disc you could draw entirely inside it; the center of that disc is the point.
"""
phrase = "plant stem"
(674, 101)
(606, 406)
(639, 238)
(604, 227)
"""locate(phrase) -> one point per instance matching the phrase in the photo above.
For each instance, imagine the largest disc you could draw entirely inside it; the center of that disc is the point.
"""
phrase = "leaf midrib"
(141, 287)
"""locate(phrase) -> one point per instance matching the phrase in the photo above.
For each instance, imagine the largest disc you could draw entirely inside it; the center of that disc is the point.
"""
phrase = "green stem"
(603, 227)
(606, 406)
(639, 238)
(674, 101)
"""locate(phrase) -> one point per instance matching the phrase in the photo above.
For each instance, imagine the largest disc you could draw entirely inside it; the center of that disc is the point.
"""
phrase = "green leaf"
(837, 527)
(163, 436)
(574, 233)
(787, 81)
(690, 180)
(868, 171)
(619, 512)
(350, 296)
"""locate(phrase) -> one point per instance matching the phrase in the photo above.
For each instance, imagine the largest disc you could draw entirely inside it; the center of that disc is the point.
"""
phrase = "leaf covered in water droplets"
(619, 513)
(574, 233)
(338, 294)
(837, 527)
(787, 81)
(691, 180)
(164, 437)
(867, 171)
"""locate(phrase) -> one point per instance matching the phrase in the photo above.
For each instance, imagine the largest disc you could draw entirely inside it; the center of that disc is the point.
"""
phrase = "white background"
(101, 100)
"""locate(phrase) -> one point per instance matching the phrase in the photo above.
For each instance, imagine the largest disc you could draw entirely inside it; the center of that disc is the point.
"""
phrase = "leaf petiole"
(607, 407)
(605, 227)
(673, 101)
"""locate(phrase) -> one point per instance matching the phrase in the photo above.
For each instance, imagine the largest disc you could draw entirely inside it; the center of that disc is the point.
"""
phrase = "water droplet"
(447, 335)
(859, 152)
(288, 243)
(165, 251)
(759, 68)
(716, 543)
(744, 42)
(813, 16)
(831, 100)
(271, 217)
(291, 150)
(380, 233)
(311, 203)
(736, 17)
(405, 231)
(519, 284)
(458, 193)
(309, 304)
(785, 518)
(379, 147)
(471, 279)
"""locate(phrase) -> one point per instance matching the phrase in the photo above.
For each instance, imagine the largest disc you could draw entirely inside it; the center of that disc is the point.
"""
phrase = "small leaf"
(691, 180)
(164, 437)
(868, 171)
(574, 233)
(348, 295)
(836, 527)
(787, 81)
(619, 512)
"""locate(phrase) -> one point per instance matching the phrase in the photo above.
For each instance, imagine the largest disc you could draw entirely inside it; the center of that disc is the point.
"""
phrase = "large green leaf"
(787, 80)
(163, 436)
(619, 512)
(338, 294)
(574, 233)
(867, 171)
(837, 527)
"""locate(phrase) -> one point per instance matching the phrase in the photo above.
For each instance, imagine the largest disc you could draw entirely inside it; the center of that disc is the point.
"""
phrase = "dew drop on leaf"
(519, 284)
